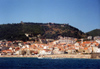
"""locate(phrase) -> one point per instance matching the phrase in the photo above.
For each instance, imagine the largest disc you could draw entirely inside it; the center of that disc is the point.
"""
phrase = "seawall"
(67, 56)
(52, 56)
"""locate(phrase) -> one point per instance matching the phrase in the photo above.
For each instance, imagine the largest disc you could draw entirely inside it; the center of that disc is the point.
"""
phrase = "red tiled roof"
(7, 51)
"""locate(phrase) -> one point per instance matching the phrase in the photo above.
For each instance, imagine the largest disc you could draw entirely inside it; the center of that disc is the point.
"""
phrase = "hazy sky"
(82, 14)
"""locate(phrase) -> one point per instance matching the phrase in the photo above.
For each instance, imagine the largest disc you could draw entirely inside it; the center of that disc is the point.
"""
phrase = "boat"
(40, 57)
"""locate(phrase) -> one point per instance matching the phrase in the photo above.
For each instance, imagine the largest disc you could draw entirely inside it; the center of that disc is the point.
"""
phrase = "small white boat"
(40, 57)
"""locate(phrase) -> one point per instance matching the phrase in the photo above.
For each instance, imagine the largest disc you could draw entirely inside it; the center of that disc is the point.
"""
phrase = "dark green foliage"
(17, 31)
(93, 33)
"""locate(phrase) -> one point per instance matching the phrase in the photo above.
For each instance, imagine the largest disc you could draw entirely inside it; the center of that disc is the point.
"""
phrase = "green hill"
(95, 32)
(46, 30)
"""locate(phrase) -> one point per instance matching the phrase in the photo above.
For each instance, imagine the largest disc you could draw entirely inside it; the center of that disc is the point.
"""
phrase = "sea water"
(35, 63)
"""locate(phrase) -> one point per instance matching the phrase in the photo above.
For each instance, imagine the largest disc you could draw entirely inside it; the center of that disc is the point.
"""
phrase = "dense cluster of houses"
(64, 45)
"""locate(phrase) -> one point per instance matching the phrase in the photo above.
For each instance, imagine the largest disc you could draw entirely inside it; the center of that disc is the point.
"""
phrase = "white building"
(89, 37)
(43, 52)
(98, 41)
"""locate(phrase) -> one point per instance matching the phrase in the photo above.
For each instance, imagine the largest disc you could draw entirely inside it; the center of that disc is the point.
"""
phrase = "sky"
(82, 14)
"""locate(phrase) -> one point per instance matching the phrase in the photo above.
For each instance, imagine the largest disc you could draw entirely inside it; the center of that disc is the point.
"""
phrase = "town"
(64, 45)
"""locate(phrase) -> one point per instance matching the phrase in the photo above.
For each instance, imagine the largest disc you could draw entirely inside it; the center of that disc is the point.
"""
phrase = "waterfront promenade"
(52, 56)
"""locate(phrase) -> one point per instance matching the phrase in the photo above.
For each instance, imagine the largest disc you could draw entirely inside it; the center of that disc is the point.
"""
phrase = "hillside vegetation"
(95, 32)
(46, 30)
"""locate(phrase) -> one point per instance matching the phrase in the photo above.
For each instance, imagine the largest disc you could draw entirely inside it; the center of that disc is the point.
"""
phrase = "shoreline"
(88, 56)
